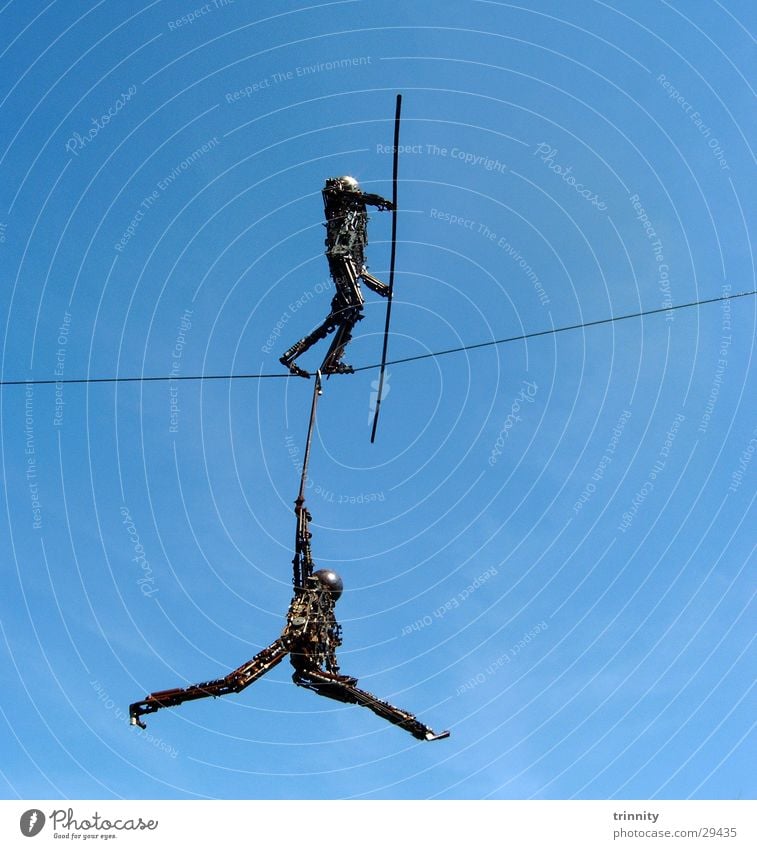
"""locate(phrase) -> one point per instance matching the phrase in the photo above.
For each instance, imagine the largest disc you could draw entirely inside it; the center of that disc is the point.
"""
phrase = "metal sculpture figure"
(346, 237)
(310, 637)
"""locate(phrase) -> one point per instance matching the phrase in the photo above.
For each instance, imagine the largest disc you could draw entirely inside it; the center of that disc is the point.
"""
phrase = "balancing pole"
(391, 263)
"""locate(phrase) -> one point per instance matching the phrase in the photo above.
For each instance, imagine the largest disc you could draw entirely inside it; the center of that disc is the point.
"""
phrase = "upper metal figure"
(346, 237)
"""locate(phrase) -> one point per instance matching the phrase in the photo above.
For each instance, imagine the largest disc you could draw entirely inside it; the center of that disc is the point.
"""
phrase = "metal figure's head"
(343, 184)
(331, 581)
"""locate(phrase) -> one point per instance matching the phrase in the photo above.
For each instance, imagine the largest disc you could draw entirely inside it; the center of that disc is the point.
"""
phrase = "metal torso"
(346, 225)
(312, 633)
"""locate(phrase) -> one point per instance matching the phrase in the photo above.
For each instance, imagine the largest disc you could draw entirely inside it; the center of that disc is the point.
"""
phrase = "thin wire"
(141, 379)
(389, 362)
(558, 330)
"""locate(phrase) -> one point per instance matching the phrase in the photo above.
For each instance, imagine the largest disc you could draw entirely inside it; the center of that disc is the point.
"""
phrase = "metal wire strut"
(303, 558)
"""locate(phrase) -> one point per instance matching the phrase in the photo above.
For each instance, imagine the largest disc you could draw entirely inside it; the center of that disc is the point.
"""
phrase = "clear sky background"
(550, 548)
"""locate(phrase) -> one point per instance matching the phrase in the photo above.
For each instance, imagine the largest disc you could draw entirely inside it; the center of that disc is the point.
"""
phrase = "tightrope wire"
(472, 347)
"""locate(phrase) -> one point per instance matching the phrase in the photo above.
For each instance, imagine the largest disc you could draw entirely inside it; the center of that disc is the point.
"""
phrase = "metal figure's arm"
(343, 689)
(303, 556)
(234, 682)
(374, 284)
(376, 200)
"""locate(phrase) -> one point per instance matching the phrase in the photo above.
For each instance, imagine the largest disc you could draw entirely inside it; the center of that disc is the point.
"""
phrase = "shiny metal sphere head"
(344, 184)
(331, 581)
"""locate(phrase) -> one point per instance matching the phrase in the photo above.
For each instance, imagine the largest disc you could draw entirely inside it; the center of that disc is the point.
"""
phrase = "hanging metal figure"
(346, 237)
(310, 637)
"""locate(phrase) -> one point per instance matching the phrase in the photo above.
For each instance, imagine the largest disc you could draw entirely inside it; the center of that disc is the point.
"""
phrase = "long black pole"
(395, 169)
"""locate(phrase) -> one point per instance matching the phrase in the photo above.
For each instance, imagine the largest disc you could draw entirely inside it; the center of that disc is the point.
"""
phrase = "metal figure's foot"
(307, 342)
(134, 715)
(431, 736)
(294, 368)
(338, 368)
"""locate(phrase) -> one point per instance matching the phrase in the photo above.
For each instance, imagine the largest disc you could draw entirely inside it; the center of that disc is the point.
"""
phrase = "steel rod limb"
(317, 391)
(302, 563)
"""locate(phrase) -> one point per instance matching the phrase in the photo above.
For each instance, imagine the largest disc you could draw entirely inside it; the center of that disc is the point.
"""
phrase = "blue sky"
(546, 551)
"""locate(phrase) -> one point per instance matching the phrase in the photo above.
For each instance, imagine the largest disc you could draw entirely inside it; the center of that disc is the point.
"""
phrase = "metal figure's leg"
(346, 276)
(332, 361)
(234, 682)
(343, 689)
(346, 311)
(348, 308)
(374, 284)
(321, 332)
